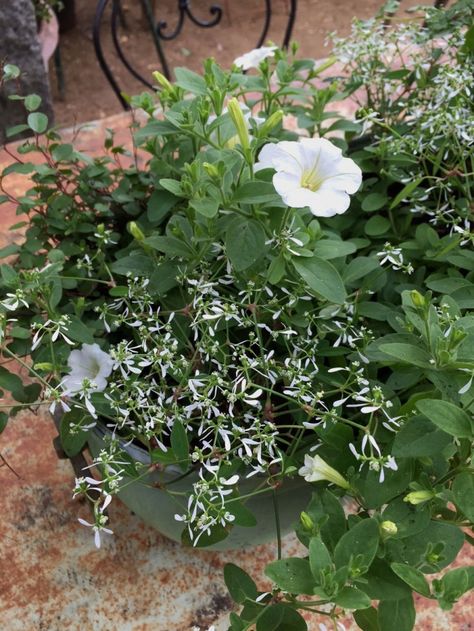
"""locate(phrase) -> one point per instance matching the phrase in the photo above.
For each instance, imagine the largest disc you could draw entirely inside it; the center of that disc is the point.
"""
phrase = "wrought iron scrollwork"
(184, 7)
(158, 32)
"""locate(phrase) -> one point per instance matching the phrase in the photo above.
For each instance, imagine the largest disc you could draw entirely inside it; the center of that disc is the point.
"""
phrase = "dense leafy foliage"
(243, 334)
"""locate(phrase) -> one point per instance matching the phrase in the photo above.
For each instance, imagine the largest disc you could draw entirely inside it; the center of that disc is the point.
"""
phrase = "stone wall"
(19, 45)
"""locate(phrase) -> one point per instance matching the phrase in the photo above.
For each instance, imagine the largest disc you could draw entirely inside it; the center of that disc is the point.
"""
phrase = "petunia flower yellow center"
(94, 368)
(310, 180)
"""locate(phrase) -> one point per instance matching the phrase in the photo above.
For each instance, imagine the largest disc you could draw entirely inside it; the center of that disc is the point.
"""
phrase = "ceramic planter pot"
(157, 508)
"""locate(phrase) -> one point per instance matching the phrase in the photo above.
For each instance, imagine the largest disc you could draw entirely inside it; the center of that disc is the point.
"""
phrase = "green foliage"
(353, 333)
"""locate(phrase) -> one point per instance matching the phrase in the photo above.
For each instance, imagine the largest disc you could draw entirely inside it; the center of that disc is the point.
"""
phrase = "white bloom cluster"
(231, 370)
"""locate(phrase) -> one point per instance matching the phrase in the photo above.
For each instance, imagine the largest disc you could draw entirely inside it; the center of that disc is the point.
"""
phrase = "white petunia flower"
(311, 172)
(253, 58)
(91, 364)
(316, 469)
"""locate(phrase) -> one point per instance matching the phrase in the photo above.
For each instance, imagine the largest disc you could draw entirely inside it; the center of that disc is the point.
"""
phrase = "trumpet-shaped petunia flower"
(316, 469)
(311, 172)
(91, 365)
(253, 58)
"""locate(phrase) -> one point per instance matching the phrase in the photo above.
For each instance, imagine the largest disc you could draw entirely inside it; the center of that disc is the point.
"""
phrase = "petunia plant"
(266, 296)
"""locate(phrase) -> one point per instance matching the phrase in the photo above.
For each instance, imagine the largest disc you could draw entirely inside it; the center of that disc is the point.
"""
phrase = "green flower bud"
(388, 529)
(272, 121)
(135, 231)
(417, 299)
(46, 366)
(162, 80)
(418, 497)
(306, 521)
(238, 119)
(211, 170)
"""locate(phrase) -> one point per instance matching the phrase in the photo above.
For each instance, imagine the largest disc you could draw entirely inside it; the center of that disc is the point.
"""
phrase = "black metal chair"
(160, 33)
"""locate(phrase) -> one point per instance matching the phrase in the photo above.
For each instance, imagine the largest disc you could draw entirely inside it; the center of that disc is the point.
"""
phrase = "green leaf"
(218, 533)
(190, 81)
(322, 277)
(397, 615)
(276, 270)
(359, 268)
(78, 331)
(407, 354)
(168, 245)
(8, 250)
(38, 122)
(245, 242)
(448, 285)
(441, 542)
(377, 225)
(19, 167)
(255, 193)
(357, 548)
(319, 557)
(10, 71)
(134, 264)
(180, 444)
(405, 192)
(352, 598)
(367, 619)
(163, 278)
(453, 585)
(463, 490)
(236, 623)
(469, 40)
(419, 438)
(29, 394)
(325, 509)
(329, 249)
(172, 186)
(16, 129)
(240, 585)
(243, 515)
(32, 102)
(159, 205)
(447, 416)
(206, 207)
(11, 382)
(63, 152)
(3, 421)
(412, 577)
(281, 617)
(374, 201)
(396, 482)
(381, 583)
(409, 519)
(73, 438)
(292, 575)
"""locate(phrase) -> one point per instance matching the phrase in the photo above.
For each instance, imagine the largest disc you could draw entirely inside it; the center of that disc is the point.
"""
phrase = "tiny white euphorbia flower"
(253, 58)
(91, 364)
(316, 469)
(311, 172)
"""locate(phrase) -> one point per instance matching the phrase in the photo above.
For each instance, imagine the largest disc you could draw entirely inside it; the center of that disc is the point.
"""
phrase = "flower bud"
(388, 529)
(162, 80)
(417, 299)
(135, 231)
(211, 170)
(272, 121)
(46, 366)
(306, 521)
(418, 497)
(238, 119)
(316, 469)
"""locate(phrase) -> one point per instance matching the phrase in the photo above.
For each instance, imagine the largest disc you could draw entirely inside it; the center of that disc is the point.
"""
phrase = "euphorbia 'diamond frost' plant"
(313, 173)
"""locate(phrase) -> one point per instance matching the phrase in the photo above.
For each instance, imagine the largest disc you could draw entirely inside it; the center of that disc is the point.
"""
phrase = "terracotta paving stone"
(51, 576)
